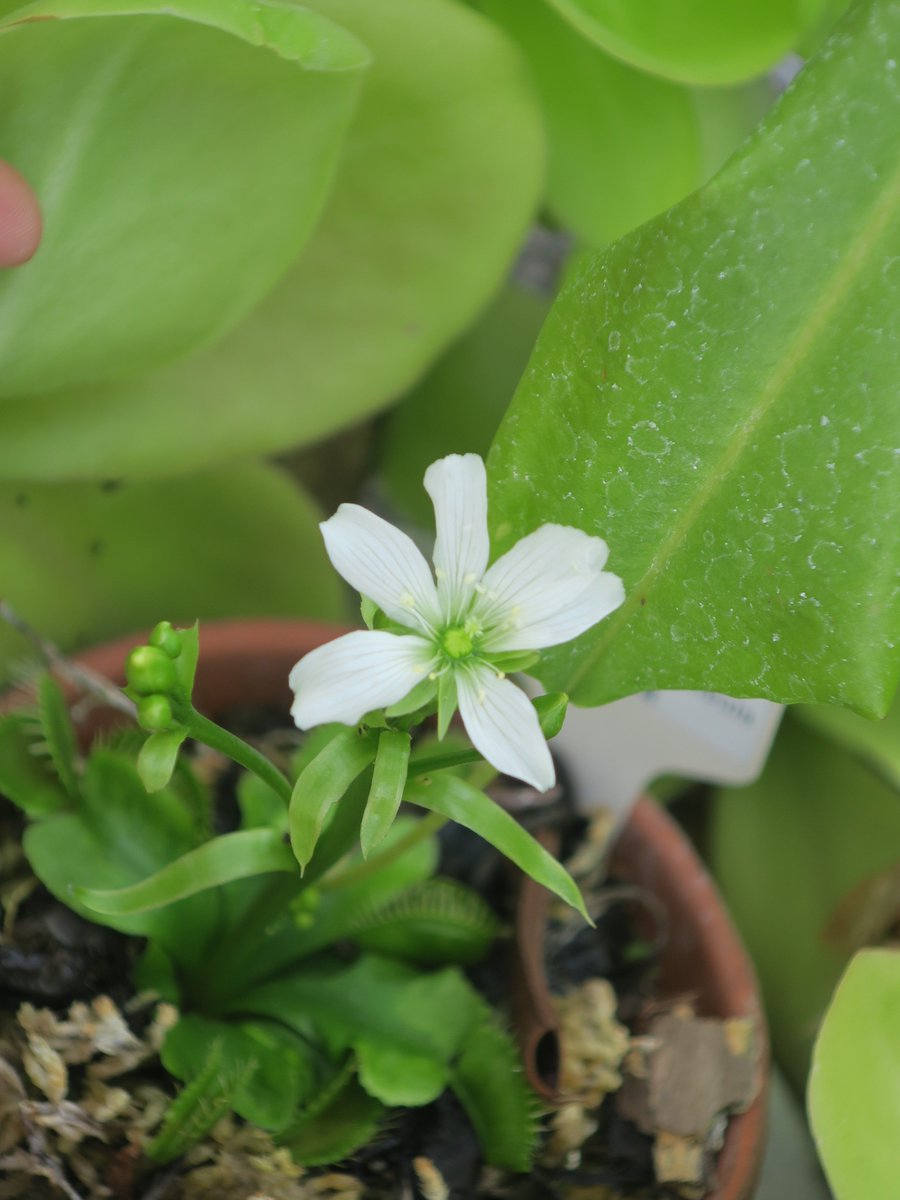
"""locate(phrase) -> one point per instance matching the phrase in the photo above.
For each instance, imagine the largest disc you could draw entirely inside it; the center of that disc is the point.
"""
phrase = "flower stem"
(210, 734)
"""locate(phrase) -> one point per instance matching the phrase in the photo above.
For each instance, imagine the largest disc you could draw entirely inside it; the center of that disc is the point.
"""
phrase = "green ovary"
(457, 643)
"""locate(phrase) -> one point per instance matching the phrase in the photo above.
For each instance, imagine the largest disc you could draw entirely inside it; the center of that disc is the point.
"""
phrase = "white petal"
(548, 588)
(502, 724)
(346, 678)
(382, 563)
(457, 486)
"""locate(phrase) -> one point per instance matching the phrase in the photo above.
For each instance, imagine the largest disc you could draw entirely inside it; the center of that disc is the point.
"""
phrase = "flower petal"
(457, 486)
(346, 678)
(503, 726)
(384, 564)
(548, 588)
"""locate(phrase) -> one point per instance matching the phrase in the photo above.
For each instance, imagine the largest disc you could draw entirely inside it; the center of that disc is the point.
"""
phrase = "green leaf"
(624, 145)
(714, 395)
(854, 1097)
(189, 547)
(386, 792)
(698, 41)
(397, 1077)
(158, 757)
(490, 1083)
(454, 798)
(434, 922)
(261, 807)
(421, 696)
(875, 743)
(446, 702)
(439, 179)
(224, 859)
(322, 784)
(25, 776)
(551, 710)
(332, 1131)
(284, 1074)
(815, 827)
(128, 119)
(120, 836)
(59, 736)
(202, 1104)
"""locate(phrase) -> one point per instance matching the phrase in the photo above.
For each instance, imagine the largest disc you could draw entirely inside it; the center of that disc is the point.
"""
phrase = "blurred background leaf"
(84, 562)
(181, 154)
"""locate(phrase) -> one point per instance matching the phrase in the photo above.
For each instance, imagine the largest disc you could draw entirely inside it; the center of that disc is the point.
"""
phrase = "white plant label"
(614, 752)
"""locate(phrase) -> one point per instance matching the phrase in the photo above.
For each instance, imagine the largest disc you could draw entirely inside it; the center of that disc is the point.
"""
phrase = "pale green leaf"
(181, 153)
(386, 792)
(59, 736)
(321, 785)
(333, 1131)
(715, 396)
(84, 562)
(398, 1077)
(699, 41)
(440, 176)
(26, 777)
(222, 860)
(874, 743)
(854, 1086)
(623, 145)
(454, 798)
(157, 758)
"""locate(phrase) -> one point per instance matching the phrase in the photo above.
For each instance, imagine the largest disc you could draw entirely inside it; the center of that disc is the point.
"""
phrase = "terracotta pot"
(246, 663)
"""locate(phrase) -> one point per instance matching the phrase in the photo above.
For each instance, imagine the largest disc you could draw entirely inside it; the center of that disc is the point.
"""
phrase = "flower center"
(457, 642)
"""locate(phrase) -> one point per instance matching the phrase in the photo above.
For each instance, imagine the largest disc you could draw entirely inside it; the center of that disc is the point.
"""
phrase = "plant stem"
(424, 828)
(217, 738)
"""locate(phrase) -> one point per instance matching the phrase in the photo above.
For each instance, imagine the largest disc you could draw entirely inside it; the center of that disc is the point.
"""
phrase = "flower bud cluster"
(154, 681)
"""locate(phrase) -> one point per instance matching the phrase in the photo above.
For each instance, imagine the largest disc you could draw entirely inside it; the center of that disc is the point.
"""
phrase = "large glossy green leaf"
(181, 153)
(715, 395)
(787, 852)
(698, 41)
(84, 562)
(440, 177)
(854, 1087)
(623, 145)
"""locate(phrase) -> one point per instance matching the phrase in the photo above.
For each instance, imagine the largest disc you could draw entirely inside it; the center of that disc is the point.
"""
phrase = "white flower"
(547, 589)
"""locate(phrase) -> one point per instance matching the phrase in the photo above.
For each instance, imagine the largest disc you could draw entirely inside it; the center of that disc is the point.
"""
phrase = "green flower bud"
(167, 638)
(150, 670)
(154, 713)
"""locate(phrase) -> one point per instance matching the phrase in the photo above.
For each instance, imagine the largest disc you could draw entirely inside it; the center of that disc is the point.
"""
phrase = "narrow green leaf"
(698, 41)
(397, 1077)
(454, 798)
(186, 662)
(56, 724)
(421, 695)
(157, 758)
(515, 660)
(386, 792)
(854, 1099)
(321, 785)
(25, 777)
(231, 856)
(715, 395)
(446, 702)
(162, 258)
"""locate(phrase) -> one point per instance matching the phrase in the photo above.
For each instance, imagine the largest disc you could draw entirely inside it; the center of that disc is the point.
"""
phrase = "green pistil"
(457, 643)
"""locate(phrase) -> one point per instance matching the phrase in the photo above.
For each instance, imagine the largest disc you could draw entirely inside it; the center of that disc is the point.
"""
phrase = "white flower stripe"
(361, 671)
(547, 589)
(503, 726)
(381, 562)
(457, 486)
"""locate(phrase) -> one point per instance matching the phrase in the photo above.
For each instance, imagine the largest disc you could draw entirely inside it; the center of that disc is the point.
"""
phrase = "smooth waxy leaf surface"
(460, 802)
(623, 145)
(699, 41)
(715, 396)
(440, 175)
(180, 153)
(84, 562)
(854, 1086)
(815, 828)
(322, 784)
